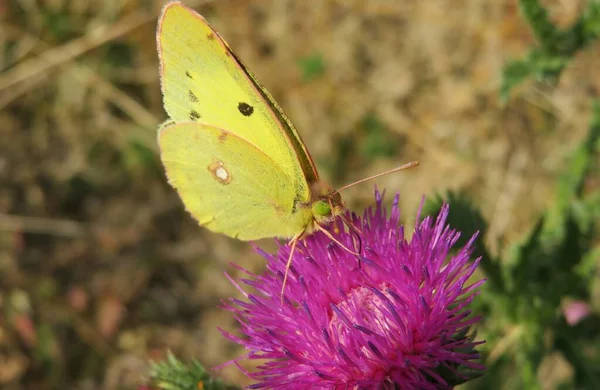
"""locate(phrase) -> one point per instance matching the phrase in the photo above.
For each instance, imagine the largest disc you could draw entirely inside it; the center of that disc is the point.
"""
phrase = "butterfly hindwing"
(228, 184)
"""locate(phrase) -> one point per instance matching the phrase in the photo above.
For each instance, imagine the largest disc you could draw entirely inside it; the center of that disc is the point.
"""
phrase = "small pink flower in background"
(576, 311)
(399, 317)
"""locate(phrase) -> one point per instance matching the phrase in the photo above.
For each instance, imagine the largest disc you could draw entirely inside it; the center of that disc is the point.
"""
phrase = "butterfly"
(236, 160)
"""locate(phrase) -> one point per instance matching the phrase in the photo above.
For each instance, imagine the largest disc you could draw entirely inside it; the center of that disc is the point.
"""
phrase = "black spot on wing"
(189, 75)
(194, 115)
(192, 96)
(245, 109)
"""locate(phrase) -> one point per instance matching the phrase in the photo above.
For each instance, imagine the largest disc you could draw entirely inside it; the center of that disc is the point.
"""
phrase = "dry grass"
(101, 268)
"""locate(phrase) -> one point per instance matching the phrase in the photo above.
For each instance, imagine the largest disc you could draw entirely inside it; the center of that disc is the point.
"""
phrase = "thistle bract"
(395, 317)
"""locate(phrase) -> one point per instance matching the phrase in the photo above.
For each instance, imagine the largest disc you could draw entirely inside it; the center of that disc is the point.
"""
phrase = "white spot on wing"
(219, 172)
(222, 173)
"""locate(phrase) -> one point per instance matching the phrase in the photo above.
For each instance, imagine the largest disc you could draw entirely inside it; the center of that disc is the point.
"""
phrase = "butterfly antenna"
(293, 241)
(400, 168)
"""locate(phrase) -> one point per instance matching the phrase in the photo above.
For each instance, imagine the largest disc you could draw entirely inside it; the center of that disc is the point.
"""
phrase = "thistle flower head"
(396, 317)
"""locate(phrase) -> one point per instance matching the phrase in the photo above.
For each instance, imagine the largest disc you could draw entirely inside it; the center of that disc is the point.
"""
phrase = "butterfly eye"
(321, 208)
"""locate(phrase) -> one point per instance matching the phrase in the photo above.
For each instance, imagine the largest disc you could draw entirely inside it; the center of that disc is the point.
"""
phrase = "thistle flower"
(396, 317)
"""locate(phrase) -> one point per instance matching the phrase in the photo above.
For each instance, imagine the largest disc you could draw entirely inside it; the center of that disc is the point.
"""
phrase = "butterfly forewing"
(203, 82)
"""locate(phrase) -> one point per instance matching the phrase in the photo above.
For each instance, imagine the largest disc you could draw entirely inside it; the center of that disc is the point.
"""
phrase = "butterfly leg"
(336, 229)
(332, 238)
(293, 243)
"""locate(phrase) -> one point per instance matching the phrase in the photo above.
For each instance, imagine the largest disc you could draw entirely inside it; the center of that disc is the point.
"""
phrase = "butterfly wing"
(228, 184)
(204, 82)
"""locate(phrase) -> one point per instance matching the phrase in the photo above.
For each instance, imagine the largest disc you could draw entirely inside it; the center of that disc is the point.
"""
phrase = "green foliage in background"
(555, 47)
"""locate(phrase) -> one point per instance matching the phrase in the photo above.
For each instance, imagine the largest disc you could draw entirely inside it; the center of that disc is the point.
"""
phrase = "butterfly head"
(327, 205)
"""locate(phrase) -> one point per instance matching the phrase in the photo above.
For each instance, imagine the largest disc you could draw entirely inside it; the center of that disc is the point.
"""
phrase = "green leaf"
(172, 374)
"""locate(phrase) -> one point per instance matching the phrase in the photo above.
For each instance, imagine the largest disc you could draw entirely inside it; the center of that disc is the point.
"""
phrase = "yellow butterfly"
(236, 160)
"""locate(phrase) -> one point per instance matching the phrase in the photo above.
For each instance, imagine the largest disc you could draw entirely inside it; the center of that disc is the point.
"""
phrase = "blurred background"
(101, 269)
